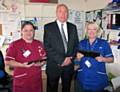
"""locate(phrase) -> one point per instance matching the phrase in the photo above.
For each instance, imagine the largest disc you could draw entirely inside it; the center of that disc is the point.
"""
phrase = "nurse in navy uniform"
(92, 75)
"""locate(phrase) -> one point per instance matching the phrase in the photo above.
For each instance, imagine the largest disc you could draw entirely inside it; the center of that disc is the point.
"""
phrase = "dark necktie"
(64, 38)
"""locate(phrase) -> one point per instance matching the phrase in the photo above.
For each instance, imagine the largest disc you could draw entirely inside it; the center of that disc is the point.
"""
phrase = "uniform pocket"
(20, 75)
(102, 73)
(102, 79)
(20, 80)
(79, 74)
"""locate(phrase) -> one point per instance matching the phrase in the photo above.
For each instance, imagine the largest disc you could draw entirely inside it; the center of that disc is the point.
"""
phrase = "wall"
(85, 5)
(80, 5)
(95, 4)
(48, 11)
(41, 10)
(74, 4)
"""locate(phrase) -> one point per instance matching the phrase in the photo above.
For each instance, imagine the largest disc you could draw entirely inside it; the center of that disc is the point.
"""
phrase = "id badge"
(88, 64)
(26, 53)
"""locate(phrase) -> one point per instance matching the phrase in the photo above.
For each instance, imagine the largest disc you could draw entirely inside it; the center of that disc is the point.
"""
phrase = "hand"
(40, 63)
(67, 61)
(76, 67)
(100, 59)
(26, 65)
(79, 56)
(43, 63)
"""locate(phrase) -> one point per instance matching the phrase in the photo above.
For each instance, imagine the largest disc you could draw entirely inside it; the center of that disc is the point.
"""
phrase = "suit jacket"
(54, 45)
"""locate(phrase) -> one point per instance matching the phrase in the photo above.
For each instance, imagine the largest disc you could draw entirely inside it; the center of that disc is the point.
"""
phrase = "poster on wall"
(11, 26)
(10, 18)
(15, 6)
(95, 16)
(78, 18)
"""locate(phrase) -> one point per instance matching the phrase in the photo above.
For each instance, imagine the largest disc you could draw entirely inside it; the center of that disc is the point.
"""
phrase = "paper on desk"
(116, 82)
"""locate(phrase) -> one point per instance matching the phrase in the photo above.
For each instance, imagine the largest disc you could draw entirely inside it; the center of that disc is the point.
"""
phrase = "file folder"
(92, 54)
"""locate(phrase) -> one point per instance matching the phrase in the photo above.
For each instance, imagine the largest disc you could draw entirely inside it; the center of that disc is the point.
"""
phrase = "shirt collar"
(59, 23)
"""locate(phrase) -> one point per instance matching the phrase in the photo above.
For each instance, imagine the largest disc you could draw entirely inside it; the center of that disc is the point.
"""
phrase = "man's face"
(62, 14)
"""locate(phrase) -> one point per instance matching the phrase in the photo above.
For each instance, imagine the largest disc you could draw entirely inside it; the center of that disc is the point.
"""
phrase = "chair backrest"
(2, 65)
(3, 74)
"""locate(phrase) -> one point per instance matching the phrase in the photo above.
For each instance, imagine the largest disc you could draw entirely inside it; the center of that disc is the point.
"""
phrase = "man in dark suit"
(60, 40)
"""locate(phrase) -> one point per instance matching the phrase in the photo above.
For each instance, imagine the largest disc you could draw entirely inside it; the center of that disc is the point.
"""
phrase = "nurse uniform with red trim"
(26, 79)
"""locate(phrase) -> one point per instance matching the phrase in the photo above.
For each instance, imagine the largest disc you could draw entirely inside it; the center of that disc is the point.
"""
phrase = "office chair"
(4, 78)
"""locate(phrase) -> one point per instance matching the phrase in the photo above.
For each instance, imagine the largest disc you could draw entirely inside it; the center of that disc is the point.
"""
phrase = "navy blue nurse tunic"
(92, 73)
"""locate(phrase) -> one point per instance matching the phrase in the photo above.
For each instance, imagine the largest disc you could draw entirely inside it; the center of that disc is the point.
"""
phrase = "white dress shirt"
(64, 27)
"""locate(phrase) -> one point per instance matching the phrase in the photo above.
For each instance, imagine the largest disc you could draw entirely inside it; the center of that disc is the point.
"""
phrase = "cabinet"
(111, 27)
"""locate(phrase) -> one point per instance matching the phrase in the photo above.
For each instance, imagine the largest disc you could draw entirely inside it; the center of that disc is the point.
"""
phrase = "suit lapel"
(69, 35)
(57, 30)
